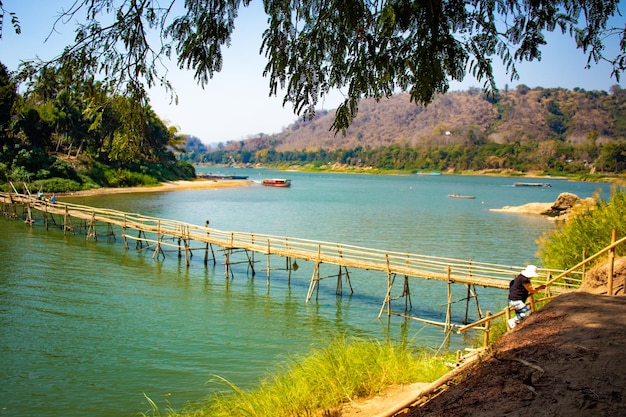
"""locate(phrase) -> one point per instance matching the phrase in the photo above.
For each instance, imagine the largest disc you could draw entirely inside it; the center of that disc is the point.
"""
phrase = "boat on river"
(221, 177)
(532, 184)
(461, 196)
(276, 182)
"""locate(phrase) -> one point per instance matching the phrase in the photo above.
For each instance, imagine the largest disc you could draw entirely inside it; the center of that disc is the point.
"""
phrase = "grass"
(343, 371)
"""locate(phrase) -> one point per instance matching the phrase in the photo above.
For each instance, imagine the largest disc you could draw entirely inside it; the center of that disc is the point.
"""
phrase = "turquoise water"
(89, 328)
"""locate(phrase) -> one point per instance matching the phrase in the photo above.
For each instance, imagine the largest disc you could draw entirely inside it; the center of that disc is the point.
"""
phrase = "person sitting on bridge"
(519, 290)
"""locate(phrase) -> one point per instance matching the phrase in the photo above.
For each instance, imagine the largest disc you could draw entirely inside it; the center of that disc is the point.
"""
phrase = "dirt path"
(565, 360)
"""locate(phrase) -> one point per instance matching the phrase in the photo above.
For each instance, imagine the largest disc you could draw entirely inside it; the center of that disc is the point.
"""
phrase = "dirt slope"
(565, 360)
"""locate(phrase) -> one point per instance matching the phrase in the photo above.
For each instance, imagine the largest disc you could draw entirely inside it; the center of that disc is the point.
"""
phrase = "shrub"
(589, 231)
(58, 185)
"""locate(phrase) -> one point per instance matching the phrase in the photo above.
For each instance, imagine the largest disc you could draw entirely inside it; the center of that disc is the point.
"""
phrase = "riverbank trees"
(65, 134)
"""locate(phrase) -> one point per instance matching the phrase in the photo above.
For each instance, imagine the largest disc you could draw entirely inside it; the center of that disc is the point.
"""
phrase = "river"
(89, 328)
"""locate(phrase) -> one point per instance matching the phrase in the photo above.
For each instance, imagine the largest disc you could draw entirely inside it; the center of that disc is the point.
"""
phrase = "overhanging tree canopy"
(366, 48)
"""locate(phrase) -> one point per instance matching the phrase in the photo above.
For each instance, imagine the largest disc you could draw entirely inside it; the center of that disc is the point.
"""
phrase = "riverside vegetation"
(349, 369)
(65, 135)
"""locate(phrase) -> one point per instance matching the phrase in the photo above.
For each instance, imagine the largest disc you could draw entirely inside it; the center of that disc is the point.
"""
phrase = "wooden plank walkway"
(158, 232)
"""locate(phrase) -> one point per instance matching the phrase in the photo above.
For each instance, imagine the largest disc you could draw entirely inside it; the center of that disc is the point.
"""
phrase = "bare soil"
(564, 360)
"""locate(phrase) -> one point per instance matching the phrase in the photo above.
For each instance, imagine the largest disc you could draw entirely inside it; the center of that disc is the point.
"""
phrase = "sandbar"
(196, 184)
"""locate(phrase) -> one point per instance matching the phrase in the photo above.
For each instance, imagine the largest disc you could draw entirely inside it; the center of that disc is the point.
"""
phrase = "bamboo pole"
(609, 284)
(65, 221)
(338, 290)
(91, 229)
(487, 330)
(449, 307)
(387, 301)
(268, 261)
(124, 234)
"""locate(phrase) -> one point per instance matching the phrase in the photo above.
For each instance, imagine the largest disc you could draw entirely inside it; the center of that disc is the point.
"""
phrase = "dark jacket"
(517, 291)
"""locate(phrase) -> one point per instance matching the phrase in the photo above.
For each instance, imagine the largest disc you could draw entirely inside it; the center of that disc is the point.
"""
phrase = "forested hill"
(469, 117)
(554, 130)
(465, 117)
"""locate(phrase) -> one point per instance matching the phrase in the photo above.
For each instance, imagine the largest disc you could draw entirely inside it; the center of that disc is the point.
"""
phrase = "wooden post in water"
(338, 289)
(449, 308)
(387, 301)
(158, 250)
(315, 278)
(124, 233)
(208, 245)
(188, 252)
(110, 231)
(227, 269)
(406, 293)
(45, 216)
(91, 229)
(345, 268)
(268, 261)
(65, 221)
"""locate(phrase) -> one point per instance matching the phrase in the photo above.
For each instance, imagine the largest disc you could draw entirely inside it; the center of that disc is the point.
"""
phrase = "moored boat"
(532, 184)
(276, 182)
(461, 196)
(221, 177)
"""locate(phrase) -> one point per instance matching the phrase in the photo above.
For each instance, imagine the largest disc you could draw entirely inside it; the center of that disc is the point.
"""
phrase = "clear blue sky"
(236, 103)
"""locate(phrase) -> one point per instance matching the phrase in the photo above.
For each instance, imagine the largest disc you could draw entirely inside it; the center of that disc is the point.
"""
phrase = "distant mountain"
(464, 118)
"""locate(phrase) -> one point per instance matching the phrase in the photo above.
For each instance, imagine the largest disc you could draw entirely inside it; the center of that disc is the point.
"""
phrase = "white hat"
(530, 271)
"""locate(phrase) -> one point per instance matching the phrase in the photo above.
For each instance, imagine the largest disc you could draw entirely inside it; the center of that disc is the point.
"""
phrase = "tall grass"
(589, 231)
(343, 371)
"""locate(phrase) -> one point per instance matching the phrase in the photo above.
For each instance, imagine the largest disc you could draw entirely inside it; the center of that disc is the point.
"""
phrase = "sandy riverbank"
(197, 184)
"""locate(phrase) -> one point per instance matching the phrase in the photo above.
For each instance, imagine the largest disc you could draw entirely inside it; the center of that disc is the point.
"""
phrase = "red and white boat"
(276, 182)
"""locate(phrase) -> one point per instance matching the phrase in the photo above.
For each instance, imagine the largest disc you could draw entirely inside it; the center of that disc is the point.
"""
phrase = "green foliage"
(365, 48)
(342, 371)
(76, 130)
(125, 178)
(58, 185)
(588, 232)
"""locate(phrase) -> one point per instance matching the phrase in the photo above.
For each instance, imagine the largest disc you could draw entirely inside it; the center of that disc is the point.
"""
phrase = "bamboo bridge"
(151, 233)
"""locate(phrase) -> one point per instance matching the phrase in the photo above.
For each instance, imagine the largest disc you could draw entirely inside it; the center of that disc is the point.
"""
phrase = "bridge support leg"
(387, 302)
(251, 263)
(406, 293)
(338, 291)
(91, 229)
(159, 250)
(471, 293)
(315, 282)
(110, 232)
(343, 270)
(228, 265)
(206, 254)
